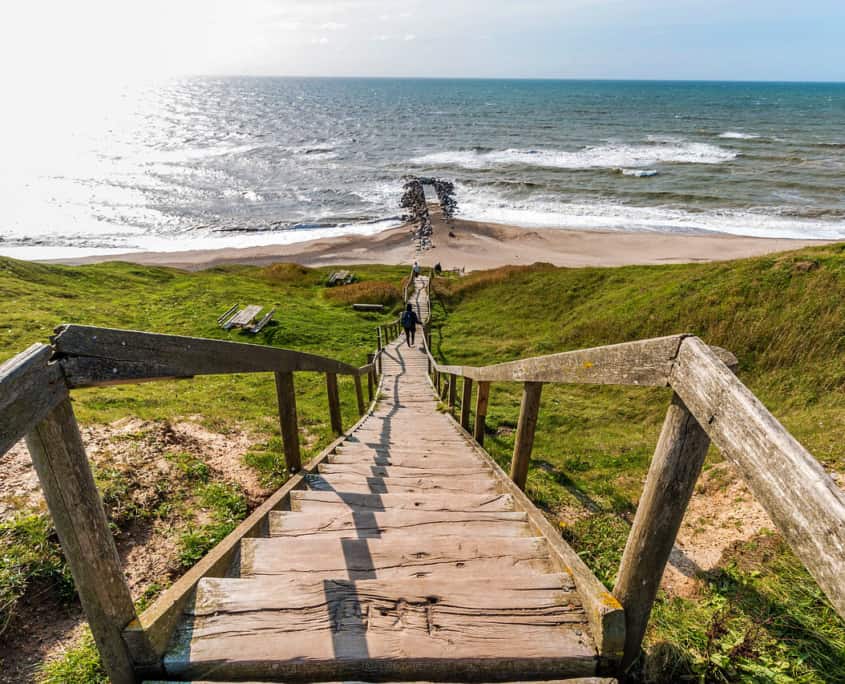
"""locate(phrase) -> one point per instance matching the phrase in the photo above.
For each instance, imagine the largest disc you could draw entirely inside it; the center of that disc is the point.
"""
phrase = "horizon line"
(517, 78)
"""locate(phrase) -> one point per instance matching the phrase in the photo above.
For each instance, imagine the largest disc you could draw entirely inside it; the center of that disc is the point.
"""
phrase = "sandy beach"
(474, 245)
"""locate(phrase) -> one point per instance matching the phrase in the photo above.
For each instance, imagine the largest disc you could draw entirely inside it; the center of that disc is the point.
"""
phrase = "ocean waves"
(545, 210)
(609, 156)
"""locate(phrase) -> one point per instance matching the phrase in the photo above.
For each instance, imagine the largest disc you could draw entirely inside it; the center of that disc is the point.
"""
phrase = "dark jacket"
(409, 319)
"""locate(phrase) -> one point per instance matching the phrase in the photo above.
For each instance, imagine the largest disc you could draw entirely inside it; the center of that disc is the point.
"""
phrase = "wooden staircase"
(402, 559)
(403, 551)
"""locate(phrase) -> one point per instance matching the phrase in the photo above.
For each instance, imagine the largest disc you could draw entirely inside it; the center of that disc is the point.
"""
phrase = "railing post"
(444, 390)
(286, 396)
(334, 403)
(77, 511)
(528, 412)
(481, 399)
(437, 380)
(466, 401)
(671, 478)
(359, 395)
(453, 391)
(371, 377)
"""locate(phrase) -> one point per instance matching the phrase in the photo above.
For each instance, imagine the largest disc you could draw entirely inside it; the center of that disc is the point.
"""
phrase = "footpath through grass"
(310, 317)
(758, 617)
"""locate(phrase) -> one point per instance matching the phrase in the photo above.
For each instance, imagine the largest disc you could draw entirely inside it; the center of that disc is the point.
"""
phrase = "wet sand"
(474, 245)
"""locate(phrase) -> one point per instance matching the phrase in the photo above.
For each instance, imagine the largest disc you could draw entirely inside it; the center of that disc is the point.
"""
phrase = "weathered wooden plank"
(58, 455)
(286, 395)
(399, 472)
(413, 558)
(379, 485)
(101, 356)
(408, 459)
(30, 388)
(672, 474)
(524, 443)
(644, 362)
(799, 496)
(334, 403)
(397, 524)
(524, 628)
(368, 307)
(481, 400)
(307, 501)
(466, 402)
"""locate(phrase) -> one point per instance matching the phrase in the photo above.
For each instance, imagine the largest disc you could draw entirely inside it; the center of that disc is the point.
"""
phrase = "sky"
(106, 40)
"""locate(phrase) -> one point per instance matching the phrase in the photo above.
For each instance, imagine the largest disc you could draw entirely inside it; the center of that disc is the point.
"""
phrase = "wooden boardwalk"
(402, 559)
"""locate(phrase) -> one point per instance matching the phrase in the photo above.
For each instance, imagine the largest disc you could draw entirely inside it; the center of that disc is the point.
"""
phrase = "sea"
(202, 163)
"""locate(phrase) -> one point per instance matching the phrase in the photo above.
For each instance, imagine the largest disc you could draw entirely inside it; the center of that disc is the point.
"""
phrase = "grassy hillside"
(758, 616)
(156, 481)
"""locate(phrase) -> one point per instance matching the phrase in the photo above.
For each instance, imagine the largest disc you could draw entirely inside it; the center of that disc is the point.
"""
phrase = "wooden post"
(481, 399)
(466, 401)
(444, 390)
(59, 457)
(528, 412)
(359, 395)
(334, 403)
(287, 419)
(453, 382)
(378, 338)
(669, 485)
(437, 381)
(371, 377)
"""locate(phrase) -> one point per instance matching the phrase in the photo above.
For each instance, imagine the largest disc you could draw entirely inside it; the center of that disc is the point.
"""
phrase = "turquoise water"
(246, 161)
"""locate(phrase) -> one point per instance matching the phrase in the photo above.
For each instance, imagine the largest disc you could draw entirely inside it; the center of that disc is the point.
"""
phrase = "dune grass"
(759, 617)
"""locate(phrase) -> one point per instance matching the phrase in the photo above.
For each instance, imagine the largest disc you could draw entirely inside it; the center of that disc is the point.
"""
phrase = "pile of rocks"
(413, 200)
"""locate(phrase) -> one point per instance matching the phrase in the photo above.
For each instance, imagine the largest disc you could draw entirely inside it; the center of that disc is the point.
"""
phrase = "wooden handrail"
(709, 403)
(92, 357)
(35, 403)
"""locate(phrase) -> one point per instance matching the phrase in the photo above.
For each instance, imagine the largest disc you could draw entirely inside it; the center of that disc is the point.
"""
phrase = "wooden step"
(461, 468)
(407, 459)
(393, 524)
(434, 630)
(380, 485)
(411, 558)
(308, 500)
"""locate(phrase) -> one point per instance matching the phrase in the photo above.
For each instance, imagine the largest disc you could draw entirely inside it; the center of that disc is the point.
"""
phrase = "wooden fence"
(35, 403)
(708, 404)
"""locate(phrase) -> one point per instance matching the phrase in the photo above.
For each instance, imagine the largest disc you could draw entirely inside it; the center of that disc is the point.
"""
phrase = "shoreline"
(476, 245)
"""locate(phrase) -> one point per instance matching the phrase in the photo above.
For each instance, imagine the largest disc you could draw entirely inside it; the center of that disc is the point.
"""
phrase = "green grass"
(784, 318)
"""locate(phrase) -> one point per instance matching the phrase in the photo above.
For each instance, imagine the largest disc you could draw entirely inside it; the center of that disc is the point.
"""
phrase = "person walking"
(416, 269)
(409, 323)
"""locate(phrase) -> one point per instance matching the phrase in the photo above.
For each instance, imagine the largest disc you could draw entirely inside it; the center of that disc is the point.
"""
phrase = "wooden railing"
(708, 404)
(35, 403)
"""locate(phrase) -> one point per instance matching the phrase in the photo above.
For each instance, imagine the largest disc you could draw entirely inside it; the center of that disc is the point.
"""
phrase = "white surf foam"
(639, 173)
(736, 135)
(547, 212)
(611, 156)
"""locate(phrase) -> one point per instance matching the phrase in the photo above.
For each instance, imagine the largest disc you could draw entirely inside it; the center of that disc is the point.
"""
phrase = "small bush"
(290, 273)
(371, 292)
